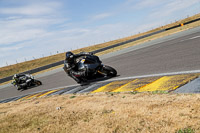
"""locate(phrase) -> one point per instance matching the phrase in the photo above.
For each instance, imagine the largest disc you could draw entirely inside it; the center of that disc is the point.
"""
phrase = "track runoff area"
(168, 65)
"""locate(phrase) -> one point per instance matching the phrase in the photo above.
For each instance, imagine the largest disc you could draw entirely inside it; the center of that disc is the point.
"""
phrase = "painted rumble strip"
(111, 86)
(49, 92)
(159, 83)
(23, 98)
(33, 96)
(136, 83)
(37, 95)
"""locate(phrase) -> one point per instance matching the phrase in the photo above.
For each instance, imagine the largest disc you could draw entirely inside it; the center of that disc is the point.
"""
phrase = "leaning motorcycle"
(94, 68)
(27, 81)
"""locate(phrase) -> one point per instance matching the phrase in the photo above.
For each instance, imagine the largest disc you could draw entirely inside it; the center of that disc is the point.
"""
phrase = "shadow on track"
(30, 87)
(91, 81)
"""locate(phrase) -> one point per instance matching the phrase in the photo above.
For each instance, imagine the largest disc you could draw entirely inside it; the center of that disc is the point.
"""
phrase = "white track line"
(190, 38)
(194, 37)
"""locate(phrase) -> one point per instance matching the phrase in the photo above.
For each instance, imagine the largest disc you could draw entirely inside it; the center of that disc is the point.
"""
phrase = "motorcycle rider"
(19, 78)
(71, 68)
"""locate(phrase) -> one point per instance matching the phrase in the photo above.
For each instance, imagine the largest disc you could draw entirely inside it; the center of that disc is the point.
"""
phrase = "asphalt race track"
(178, 52)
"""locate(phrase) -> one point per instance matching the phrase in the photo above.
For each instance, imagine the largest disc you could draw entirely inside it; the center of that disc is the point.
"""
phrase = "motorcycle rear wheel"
(19, 88)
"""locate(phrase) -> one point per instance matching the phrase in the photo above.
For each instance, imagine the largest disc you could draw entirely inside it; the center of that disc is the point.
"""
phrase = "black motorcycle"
(94, 68)
(26, 82)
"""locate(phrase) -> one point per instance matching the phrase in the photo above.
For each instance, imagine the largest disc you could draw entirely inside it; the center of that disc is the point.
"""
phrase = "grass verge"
(103, 112)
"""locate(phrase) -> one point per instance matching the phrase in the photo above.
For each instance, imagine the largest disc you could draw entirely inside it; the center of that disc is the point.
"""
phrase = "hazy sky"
(36, 28)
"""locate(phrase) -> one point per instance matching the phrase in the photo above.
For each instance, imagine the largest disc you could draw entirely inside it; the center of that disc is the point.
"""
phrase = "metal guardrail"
(128, 41)
(99, 50)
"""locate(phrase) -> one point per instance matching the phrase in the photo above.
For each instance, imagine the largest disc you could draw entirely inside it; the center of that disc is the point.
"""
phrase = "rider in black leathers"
(19, 78)
(71, 68)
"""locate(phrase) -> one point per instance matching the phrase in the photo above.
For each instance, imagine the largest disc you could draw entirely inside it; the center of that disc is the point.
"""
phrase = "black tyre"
(109, 71)
(37, 82)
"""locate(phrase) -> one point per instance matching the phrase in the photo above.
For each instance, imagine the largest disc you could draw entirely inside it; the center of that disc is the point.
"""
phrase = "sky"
(31, 29)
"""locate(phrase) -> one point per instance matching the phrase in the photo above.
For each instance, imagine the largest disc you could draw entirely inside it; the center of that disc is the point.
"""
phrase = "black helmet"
(69, 56)
(16, 76)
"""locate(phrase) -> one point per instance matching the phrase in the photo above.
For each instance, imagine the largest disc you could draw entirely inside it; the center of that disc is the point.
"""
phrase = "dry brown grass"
(21, 67)
(116, 113)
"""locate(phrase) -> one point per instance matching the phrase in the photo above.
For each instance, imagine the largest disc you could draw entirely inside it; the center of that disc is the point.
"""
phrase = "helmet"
(16, 76)
(69, 56)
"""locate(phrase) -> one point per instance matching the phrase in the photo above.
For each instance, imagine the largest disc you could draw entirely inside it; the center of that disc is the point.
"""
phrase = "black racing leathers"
(71, 67)
(20, 79)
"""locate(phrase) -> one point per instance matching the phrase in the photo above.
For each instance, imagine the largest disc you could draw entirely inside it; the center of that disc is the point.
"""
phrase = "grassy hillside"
(103, 113)
(21, 67)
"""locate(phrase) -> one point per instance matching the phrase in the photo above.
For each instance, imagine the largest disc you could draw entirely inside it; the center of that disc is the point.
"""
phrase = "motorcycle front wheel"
(37, 82)
(109, 71)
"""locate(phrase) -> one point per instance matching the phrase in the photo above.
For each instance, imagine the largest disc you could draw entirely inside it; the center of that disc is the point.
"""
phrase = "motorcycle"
(94, 68)
(26, 82)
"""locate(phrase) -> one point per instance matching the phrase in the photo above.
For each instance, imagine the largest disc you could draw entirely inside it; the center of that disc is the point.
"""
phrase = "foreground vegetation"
(155, 112)
(21, 67)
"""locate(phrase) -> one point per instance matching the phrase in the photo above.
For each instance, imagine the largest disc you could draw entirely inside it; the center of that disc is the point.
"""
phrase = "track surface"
(180, 53)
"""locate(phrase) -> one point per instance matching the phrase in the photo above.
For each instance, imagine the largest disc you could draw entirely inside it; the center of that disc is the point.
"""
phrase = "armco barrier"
(128, 41)
(192, 21)
(99, 50)
(141, 37)
(189, 22)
